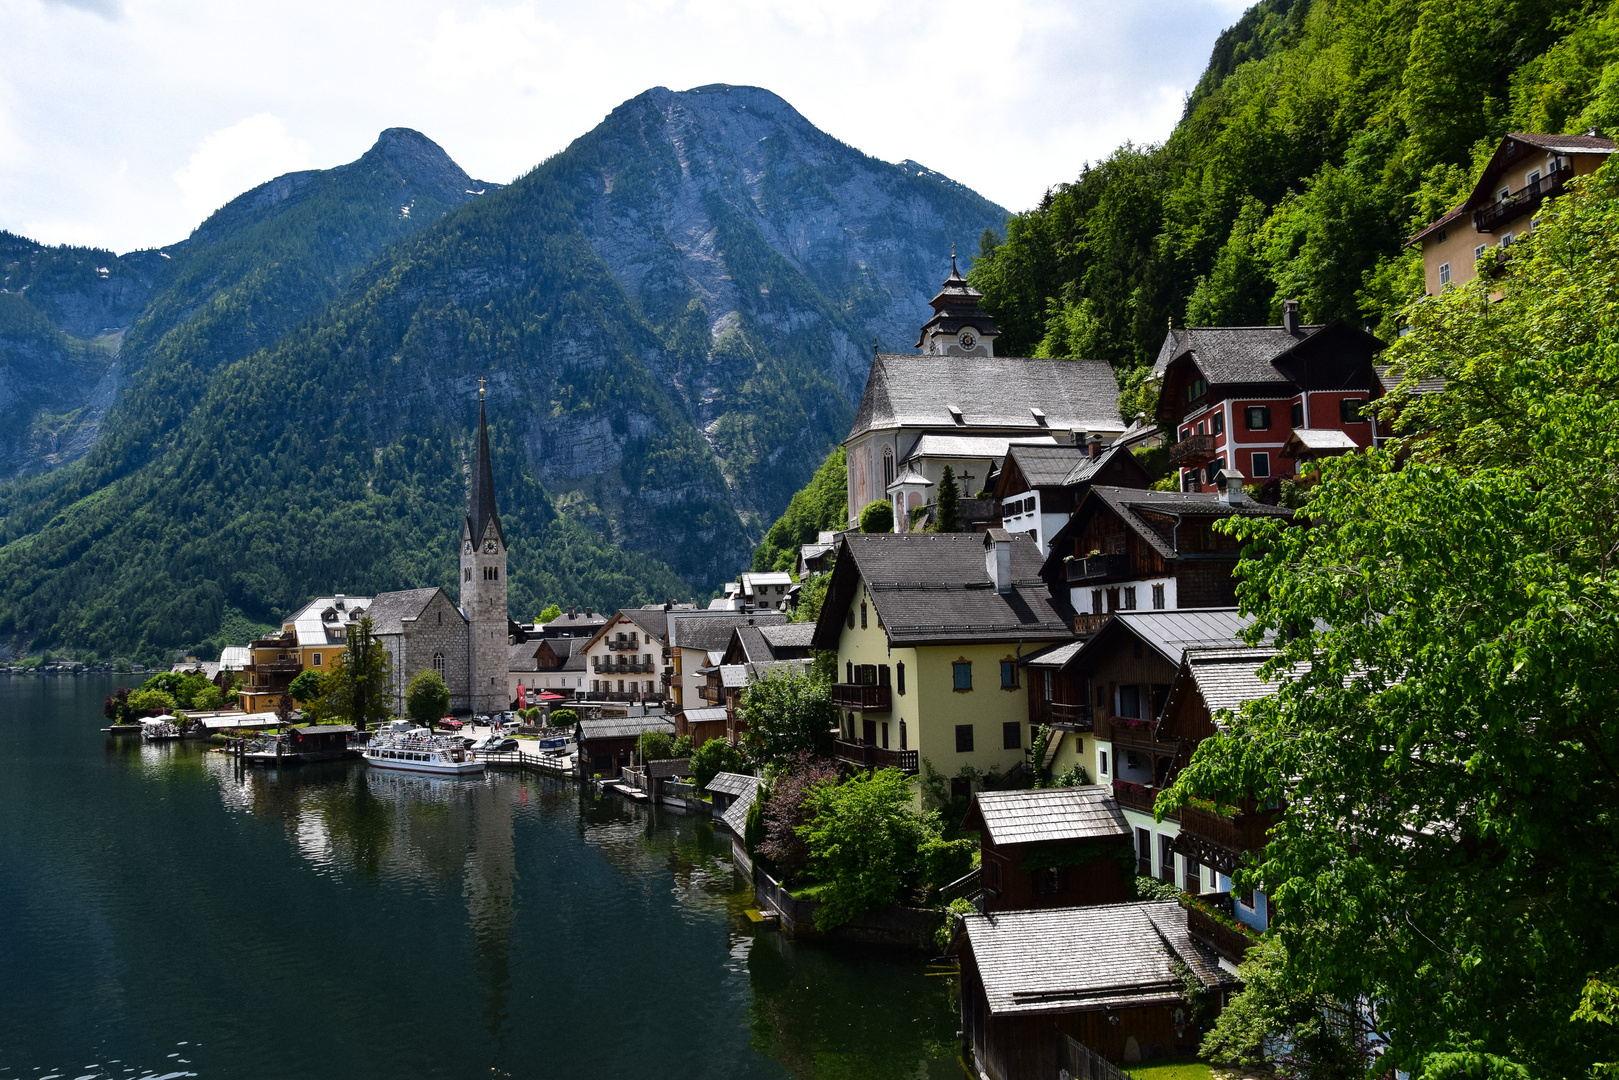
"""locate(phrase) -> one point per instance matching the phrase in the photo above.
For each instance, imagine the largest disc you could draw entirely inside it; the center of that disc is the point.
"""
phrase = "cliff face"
(674, 314)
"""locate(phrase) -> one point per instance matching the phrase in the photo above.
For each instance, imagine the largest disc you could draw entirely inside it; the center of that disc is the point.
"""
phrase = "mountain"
(674, 315)
(1319, 138)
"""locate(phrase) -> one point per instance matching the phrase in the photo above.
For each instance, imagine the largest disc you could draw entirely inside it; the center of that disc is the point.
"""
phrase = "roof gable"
(998, 393)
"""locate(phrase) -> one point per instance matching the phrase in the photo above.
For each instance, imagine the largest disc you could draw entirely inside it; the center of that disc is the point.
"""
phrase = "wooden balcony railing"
(1237, 834)
(625, 645)
(1070, 717)
(1088, 624)
(1098, 568)
(1192, 450)
(714, 695)
(1135, 796)
(866, 756)
(1522, 201)
(862, 697)
(1229, 942)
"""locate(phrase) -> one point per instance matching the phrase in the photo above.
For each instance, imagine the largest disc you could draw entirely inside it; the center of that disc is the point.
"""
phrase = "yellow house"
(928, 630)
(311, 639)
(1525, 170)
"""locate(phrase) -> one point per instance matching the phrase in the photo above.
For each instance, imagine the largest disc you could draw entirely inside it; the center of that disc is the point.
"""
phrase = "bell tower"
(960, 326)
(483, 583)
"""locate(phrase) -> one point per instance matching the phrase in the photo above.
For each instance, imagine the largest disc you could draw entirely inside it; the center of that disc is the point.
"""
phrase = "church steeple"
(960, 325)
(481, 501)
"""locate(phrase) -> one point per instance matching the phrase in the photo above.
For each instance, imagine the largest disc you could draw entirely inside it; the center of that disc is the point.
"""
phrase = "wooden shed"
(326, 742)
(605, 745)
(1052, 847)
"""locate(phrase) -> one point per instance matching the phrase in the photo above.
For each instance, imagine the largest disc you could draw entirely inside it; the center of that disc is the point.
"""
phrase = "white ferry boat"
(422, 753)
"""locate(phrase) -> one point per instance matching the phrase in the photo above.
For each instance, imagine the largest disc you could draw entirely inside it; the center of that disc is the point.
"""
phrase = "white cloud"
(1009, 98)
(234, 159)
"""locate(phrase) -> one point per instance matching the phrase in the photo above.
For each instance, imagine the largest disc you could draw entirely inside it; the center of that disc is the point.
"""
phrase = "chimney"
(570, 613)
(998, 558)
(1094, 445)
(1231, 487)
(587, 613)
(1290, 317)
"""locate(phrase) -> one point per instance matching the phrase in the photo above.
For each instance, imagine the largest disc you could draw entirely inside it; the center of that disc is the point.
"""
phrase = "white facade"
(1028, 517)
(1147, 594)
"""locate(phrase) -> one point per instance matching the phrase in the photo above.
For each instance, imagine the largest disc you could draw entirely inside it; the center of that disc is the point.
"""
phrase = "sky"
(124, 123)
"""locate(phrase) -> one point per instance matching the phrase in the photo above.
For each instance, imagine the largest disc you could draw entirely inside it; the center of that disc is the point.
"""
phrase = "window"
(1196, 389)
(1349, 410)
(1096, 601)
(1260, 463)
(1296, 414)
(1046, 882)
(1158, 598)
(848, 671)
(1216, 467)
(902, 737)
(1130, 701)
(862, 614)
(466, 575)
(314, 659)
(438, 662)
(1194, 876)
(885, 735)
(888, 467)
(899, 678)
(1101, 762)
(1478, 252)
(1166, 858)
(1444, 274)
(1011, 735)
(1443, 235)
(1257, 417)
(1189, 480)
(964, 738)
(1504, 194)
(1506, 239)
(962, 672)
(850, 619)
(1008, 674)
(1186, 433)
(1202, 428)
(1130, 598)
(1217, 424)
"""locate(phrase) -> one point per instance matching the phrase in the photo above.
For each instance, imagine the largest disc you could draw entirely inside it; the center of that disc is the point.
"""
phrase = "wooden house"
(606, 745)
(1040, 487)
(1130, 550)
(1051, 847)
(1105, 976)
(326, 742)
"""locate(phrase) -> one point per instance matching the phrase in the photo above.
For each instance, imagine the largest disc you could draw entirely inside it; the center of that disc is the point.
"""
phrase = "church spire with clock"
(483, 583)
(960, 326)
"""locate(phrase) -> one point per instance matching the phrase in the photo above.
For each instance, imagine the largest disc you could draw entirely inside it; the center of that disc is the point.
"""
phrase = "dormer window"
(955, 414)
(1197, 388)
(1039, 417)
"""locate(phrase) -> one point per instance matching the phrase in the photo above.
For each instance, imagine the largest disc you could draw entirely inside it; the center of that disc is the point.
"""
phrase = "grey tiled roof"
(1126, 501)
(653, 621)
(520, 657)
(933, 445)
(1232, 354)
(916, 390)
(1050, 466)
(1051, 814)
(1076, 959)
(712, 633)
(1567, 144)
(1055, 657)
(624, 727)
(935, 587)
(736, 815)
(1228, 678)
(389, 610)
(1171, 633)
(731, 783)
(698, 716)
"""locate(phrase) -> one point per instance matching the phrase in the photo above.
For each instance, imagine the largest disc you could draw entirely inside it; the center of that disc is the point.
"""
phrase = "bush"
(150, 702)
(877, 517)
(681, 748)
(712, 758)
(953, 911)
(564, 718)
(655, 746)
(787, 714)
(1075, 776)
(787, 808)
(427, 698)
(864, 840)
(753, 829)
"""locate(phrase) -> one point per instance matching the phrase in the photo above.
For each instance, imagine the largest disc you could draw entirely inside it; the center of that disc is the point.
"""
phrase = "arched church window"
(438, 662)
(888, 466)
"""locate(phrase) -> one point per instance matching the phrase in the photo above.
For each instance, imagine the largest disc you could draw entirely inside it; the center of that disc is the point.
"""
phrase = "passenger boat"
(421, 751)
(160, 728)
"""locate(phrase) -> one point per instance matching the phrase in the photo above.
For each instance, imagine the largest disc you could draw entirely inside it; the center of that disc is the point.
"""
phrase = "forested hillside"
(674, 316)
(1320, 137)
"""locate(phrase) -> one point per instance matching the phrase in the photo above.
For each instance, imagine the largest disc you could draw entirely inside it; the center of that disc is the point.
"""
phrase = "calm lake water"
(160, 918)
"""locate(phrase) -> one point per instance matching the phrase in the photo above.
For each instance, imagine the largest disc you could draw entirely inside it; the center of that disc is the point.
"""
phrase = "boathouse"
(1051, 847)
(606, 745)
(327, 742)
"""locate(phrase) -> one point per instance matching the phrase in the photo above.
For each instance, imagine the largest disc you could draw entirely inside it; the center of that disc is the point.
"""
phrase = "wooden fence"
(1079, 1062)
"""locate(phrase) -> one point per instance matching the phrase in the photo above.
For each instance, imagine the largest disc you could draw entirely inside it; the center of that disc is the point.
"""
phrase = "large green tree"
(427, 698)
(787, 714)
(1446, 734)
(357, 687)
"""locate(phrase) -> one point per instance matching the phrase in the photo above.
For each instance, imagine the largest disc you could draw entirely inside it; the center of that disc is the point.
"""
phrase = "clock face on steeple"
(490, 547)
(968, 339)
(467, 547)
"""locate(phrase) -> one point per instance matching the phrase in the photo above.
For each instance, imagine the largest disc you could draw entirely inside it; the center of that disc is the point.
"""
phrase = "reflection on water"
(333, 920)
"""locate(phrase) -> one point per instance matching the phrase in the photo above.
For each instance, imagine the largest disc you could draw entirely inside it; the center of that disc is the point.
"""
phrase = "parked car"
(495, 744)
(450, 725)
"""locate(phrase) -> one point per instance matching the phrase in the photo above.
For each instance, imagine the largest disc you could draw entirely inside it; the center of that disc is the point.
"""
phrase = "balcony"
(1097, 568)
(1086, 625)
(714, 695)
(622, 669)
(862, 697)
(1219, 933)
(866, 756)
(1070, 717)
(624, 644)
(1237, 834)
(1192, 450)
(276, 667)
(1521, 202)
(1135, 796)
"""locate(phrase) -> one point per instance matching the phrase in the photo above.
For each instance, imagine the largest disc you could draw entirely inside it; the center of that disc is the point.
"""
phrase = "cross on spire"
(953, 272)
(480, 388)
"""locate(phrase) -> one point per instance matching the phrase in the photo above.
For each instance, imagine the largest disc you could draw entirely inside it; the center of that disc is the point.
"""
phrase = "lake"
(162, 918)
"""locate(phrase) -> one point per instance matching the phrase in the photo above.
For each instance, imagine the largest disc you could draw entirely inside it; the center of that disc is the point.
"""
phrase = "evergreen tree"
(358, 683)
(949, 515)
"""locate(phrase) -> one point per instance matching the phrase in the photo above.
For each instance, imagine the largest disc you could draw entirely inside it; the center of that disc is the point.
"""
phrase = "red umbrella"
(548, 696)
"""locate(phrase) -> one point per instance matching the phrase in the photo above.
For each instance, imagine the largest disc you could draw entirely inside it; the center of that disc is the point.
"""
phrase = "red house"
(1259, 399)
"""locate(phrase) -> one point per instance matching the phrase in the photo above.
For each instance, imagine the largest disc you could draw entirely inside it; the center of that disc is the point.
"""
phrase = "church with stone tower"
(465, 643)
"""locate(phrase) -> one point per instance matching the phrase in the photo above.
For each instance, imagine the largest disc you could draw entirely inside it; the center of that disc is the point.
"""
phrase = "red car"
(450, 725)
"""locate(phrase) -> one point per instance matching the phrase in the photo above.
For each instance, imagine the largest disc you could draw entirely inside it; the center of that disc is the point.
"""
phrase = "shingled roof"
(1081, 959)
(1050, 466)
(1229, 678)
(389, 611)
(712, 633)
(481, 499)
(1128, 503)
(1049, 814)
(917, 390)
(1232, 354)
(933, 588)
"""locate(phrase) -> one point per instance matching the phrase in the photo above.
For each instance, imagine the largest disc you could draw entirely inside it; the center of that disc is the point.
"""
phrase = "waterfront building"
(311, 639)
(929, 629)
(624, 657)
(968, 404)
(698, 640)
(1051, 847)
(546, 664)
(606, 744)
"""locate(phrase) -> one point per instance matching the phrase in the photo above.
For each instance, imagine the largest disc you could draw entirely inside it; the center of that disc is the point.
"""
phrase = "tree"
(949, 507)
(564, 718)
(427, 697)
(284, 709)
(357, 687)
(811, 595)
(787, 713)
(877, 517)
(309, 690)
(150, 701)
(1445, 733)
(1317, 1037)
(551, 613)
(786, 807)
(714, 757)
(655, 746)
(116, 708)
